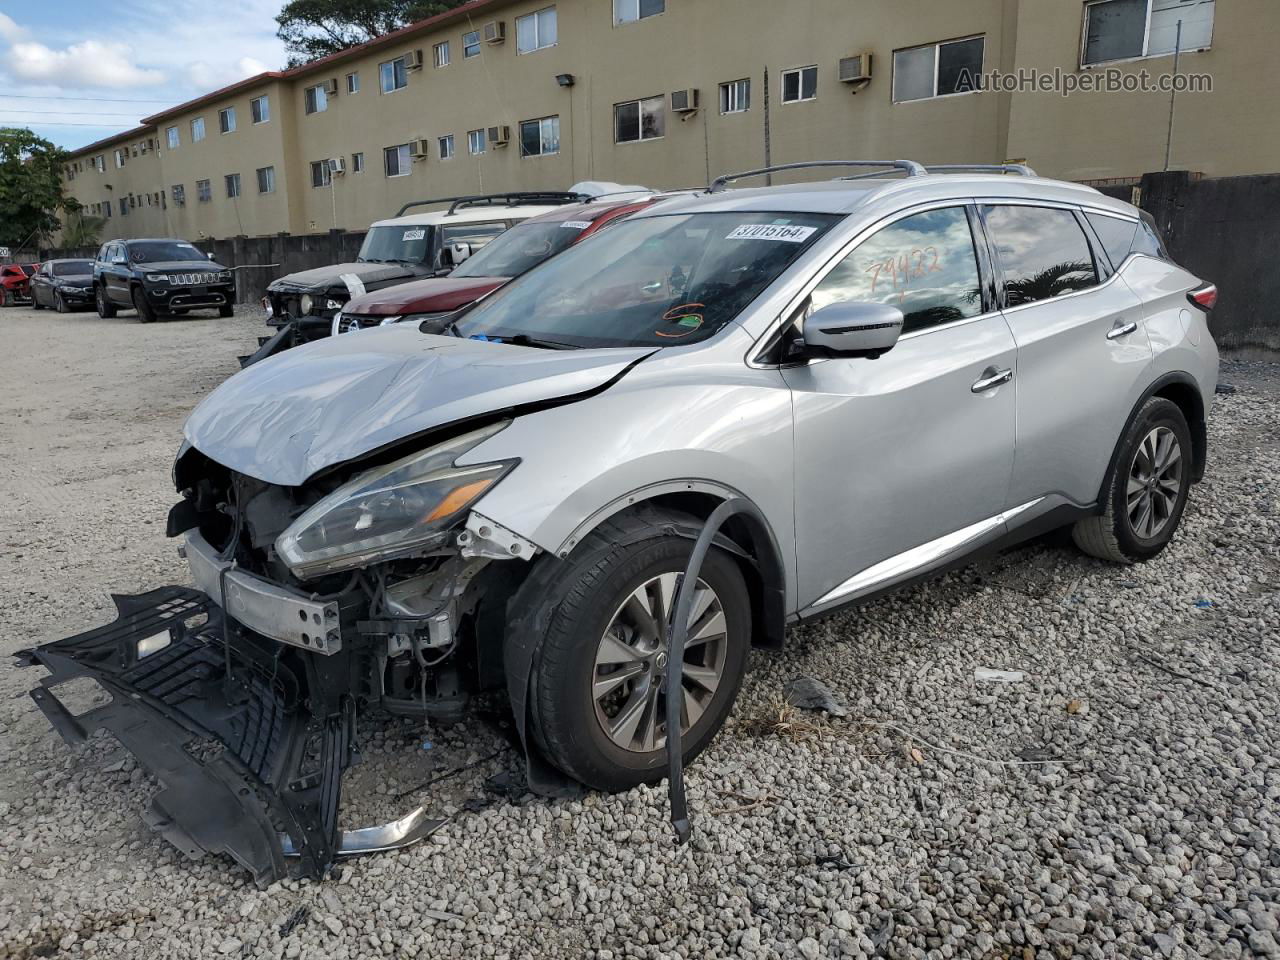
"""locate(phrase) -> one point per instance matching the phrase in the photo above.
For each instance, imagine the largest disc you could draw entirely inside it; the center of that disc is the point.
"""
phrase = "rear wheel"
(598, 707)
(1146, 489)
(145, 313)
(106, 309)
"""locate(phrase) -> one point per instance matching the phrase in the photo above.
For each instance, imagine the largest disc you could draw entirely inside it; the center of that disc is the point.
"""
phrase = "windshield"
(520, 249)
(402, 244)
(163, 251)
(656, 281)
(73, 268)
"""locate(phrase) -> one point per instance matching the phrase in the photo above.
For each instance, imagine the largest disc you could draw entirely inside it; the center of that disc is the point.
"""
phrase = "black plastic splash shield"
(241, 762)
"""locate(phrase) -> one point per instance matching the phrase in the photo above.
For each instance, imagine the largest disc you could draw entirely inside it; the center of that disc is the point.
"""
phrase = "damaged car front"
(398, 521)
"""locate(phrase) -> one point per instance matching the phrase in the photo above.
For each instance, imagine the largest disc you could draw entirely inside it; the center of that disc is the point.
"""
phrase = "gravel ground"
(1120, 800)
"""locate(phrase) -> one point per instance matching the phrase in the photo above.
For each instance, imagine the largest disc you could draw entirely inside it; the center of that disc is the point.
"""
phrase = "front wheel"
(597, 703)
(106, 309)
(226, 310)
(59, 303)
(145, 313)
(8, 298)
(1146, 489)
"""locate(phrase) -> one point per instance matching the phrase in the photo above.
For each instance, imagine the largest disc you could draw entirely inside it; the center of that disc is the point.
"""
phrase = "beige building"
(502, 95)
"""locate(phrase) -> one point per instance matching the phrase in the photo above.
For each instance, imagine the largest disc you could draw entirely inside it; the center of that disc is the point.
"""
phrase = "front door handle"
(1121, 330)
(991, 377)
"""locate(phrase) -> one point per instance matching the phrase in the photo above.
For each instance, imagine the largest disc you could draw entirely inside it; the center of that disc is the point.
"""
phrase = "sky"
(75, 71)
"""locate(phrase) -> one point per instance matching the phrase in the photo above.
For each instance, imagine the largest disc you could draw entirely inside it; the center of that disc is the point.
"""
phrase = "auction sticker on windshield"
(414, 234)
(771, 231)
(576, 224)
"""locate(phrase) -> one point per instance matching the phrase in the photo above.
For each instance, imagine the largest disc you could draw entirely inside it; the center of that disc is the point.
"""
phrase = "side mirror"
(852, 329)
(210, 256)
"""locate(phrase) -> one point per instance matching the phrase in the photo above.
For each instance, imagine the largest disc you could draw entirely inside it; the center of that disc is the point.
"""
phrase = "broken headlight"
(397, 510)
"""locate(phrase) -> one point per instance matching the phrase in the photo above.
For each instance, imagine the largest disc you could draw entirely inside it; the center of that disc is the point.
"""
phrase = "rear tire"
(613, 587)
(145, 313)
(106, 309)
(1146, 488)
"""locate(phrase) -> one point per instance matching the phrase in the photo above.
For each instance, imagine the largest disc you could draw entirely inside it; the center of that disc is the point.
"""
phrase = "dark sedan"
(63, 285)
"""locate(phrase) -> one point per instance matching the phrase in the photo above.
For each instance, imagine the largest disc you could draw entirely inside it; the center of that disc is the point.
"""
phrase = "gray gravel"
(1120, 800)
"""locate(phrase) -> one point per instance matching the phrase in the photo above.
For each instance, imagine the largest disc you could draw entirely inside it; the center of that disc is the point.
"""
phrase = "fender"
(1196, 423)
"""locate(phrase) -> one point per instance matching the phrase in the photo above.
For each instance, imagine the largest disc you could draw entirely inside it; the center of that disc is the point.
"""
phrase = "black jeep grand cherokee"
(159, 278)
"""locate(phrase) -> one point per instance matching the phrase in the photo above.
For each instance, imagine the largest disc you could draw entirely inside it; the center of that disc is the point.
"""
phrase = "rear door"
(903, 462)
(1083, 353)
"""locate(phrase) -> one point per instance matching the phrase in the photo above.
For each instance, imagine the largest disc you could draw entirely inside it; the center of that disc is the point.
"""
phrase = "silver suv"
(897, 370)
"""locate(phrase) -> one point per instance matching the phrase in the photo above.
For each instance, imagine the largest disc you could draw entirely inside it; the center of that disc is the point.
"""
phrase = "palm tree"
(1050, 282)
(81, 230)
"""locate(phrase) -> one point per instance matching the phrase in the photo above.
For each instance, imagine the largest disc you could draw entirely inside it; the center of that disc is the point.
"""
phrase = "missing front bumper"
(249, 744)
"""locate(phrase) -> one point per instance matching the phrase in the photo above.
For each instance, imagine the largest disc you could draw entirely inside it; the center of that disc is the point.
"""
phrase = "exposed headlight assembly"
(398, 510)
(306, 303)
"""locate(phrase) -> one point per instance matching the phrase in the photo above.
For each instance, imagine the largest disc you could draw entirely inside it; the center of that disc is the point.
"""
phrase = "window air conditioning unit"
(338, 166)
(499, 136)
(331, 87)
(684, 101)
(495, 31)
(413, 60)
(420, 149)
(856, 69)
(145, 146)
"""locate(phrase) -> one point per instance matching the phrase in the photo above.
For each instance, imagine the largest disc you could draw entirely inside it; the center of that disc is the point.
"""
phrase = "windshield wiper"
(524, 340)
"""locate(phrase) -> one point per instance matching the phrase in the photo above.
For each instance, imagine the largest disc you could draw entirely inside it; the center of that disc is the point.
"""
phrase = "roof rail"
(909, 167)
(508, 199)
(1020, 169)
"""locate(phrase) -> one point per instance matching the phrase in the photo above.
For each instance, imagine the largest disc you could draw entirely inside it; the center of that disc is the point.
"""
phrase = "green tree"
(30, 187)
(82, 230)
(312, 29)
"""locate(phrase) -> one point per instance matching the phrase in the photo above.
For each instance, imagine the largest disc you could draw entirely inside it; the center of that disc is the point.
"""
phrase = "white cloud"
(205, 75)
(11, 31)
(87, 64)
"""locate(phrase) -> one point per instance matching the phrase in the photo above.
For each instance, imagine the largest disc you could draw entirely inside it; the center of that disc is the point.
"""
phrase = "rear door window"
(924, 264)
(1116, 235)
(1042, 252)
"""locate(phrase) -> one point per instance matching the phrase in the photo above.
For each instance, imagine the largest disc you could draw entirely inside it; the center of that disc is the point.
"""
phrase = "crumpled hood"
(432, 295)
(294, 414)
(321, 277)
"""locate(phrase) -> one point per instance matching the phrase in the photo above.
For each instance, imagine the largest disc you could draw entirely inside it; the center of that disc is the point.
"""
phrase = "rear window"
(1042, 252)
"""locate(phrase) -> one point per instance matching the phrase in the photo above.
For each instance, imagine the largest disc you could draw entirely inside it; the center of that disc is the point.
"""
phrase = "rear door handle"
(1121, 330)
(991, 377)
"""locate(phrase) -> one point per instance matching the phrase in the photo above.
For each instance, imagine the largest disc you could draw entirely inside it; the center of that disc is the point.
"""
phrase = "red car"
(15, 279)
(519, 249)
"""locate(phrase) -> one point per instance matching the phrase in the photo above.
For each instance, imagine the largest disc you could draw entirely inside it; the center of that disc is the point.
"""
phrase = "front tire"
(106, 309)
(145, 313)
(59, 303)
(597, 708)
(1146, 488)
(226, 310)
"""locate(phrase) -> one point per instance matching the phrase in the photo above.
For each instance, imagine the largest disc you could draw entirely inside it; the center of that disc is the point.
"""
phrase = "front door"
(903, 462)
(1082, 351)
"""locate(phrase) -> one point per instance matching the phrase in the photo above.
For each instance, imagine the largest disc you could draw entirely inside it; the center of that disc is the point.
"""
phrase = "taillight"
(1205, 298)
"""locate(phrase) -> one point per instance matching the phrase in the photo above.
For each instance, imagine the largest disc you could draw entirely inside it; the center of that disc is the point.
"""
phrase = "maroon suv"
(507, 255)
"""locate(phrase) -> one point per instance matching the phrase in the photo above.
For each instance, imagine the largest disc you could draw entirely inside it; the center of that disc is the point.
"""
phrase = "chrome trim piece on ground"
(405, 832)
(923, 556)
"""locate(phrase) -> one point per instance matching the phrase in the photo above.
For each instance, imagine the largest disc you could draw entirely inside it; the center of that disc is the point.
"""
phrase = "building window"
(260, 109)
(1128, 29)
(735, 96)
(179, 195)
(353, 83)
(232, 180)
(446, 147)
(629, 11)
(938, 69)
(536, 31)
(320, 175)
(440, 54)
(475, 142)
(639, 120)
(100, 163)
(121, 158)
(204, 191)
(171, 137)
(800, 84)
(471, 44)
(540, 138)
(393, 75)
(357, 162)
(227, 120)
(266, 179)
(397, 161)
(197, 129)
(124, 207)
(315, 100)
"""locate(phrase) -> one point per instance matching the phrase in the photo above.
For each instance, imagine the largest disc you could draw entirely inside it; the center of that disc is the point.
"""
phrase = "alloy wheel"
(1155, 481)
(631, 663)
